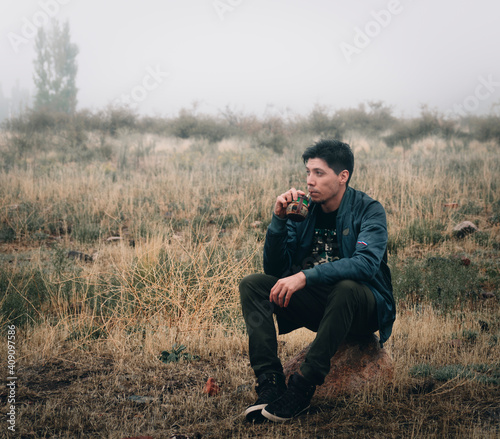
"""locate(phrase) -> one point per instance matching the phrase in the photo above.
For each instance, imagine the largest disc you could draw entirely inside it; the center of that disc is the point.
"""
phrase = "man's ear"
(344, 176)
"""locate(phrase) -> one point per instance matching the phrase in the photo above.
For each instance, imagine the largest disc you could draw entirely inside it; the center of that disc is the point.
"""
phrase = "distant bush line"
(272, 131)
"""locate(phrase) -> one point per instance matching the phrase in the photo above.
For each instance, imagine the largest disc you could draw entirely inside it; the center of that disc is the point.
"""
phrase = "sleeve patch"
(362, 242)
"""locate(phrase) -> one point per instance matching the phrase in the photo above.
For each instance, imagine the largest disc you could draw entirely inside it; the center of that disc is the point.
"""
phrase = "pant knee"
(256, 286)
(247, 286)
(359, 300)
(346, 291)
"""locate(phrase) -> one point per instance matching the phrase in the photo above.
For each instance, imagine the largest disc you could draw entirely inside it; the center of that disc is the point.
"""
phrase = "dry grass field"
(108, 266)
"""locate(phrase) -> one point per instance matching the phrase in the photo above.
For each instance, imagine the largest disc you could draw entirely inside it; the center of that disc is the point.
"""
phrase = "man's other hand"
(284, 289)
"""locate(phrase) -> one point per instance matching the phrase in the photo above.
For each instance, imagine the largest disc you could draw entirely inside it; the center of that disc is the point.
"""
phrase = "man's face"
(324, 186)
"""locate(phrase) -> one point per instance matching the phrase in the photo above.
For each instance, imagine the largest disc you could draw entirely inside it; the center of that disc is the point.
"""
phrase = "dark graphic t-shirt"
(325, 247)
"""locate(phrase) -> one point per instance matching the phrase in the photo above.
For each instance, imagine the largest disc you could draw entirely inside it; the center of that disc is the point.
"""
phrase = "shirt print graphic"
(325, 246)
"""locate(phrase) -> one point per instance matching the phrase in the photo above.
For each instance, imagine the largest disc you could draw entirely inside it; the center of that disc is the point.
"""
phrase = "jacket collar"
(346, 201)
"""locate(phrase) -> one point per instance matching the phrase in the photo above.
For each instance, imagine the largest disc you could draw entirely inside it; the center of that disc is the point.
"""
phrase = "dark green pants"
(332, 311)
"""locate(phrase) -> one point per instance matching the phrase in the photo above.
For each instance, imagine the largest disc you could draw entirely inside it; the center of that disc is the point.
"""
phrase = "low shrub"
(23, 292)
(444, 282)
(483, 373)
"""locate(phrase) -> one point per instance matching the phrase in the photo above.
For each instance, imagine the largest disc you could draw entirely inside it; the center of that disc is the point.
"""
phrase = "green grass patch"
(483, 373)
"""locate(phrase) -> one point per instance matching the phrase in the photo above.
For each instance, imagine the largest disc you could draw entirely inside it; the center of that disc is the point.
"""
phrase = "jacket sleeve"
(363, 258)
(280, 245)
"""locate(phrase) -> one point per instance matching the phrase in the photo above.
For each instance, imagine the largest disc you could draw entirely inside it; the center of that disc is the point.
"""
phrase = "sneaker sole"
(275, 418)
(254, 413)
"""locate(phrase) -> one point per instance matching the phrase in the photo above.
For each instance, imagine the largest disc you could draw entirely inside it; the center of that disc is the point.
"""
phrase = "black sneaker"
(270, 386)
(293, 402)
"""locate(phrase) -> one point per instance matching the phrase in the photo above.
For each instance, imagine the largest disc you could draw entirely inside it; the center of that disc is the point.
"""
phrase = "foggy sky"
(280, 56)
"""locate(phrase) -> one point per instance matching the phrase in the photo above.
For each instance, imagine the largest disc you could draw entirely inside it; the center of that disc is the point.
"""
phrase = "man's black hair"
(338, 155)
